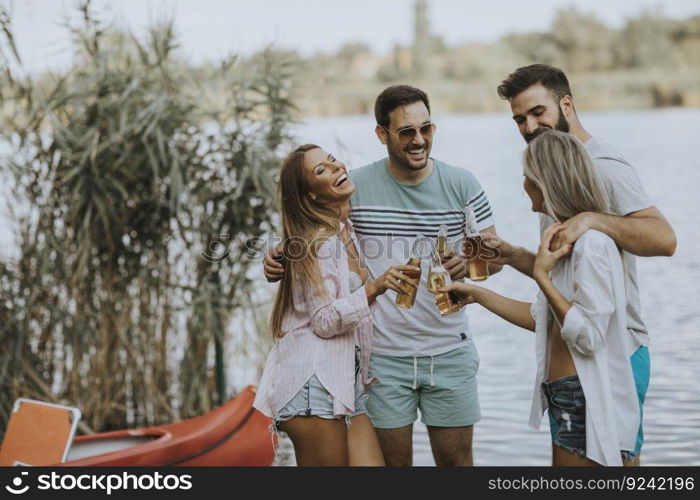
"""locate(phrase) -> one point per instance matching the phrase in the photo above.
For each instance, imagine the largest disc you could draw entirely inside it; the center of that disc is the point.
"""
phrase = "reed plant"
(134, 199)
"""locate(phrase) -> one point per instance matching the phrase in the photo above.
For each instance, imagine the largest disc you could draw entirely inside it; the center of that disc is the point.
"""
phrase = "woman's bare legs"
(318, 441)
(328, 442)
(363, 445)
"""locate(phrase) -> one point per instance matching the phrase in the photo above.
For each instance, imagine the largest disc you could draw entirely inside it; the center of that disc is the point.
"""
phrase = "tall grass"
(122, 173)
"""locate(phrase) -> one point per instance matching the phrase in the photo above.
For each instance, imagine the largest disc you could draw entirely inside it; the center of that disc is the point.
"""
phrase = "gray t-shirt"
(626, 195)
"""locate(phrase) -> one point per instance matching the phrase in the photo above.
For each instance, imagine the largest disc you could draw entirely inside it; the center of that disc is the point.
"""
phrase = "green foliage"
(124, 173)
(647, 41)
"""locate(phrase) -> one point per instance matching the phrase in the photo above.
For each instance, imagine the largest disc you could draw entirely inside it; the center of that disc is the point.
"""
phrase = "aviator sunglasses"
(407, 134)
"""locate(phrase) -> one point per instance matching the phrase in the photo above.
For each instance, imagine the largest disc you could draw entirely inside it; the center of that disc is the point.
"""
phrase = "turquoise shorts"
(641, 368)
(442, 386)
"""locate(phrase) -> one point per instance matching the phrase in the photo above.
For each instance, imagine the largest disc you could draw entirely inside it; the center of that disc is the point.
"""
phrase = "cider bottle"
(478, 267)
(442, 239)
(441, 244)
(406, 300)
(438, 277)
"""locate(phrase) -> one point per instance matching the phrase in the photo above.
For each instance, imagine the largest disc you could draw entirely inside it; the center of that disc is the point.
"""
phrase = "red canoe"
(233, 435)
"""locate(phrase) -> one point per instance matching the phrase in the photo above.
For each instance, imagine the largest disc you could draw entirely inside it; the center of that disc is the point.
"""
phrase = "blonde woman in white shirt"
(583, 347)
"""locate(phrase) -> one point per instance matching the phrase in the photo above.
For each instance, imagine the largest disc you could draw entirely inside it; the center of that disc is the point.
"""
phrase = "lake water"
(663, 145)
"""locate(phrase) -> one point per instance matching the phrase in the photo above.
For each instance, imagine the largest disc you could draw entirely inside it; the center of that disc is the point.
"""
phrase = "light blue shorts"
(641, 369)
(314, 400)
(442, 386)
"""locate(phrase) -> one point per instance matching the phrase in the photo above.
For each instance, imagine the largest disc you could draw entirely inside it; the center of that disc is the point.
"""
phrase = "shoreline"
(624, 90)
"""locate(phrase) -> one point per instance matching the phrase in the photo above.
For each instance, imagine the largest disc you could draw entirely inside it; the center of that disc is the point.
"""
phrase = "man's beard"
(562, 125)
(400, 157)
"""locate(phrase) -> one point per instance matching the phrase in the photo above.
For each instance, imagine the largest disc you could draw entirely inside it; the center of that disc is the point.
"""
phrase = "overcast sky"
(210, 29)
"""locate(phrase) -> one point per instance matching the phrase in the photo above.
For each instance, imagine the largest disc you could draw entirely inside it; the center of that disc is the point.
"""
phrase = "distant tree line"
(655, 59)
(577, 41)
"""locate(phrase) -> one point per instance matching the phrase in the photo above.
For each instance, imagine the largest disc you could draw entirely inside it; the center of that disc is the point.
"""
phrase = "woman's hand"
(545, 260)
(397, 278)
(465, 292)
(273, 266)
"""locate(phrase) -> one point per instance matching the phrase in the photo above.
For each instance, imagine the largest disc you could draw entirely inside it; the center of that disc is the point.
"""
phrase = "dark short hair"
(553, 79)
(394, 97)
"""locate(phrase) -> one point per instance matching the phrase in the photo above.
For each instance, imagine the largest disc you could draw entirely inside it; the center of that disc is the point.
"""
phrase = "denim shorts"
(314, 400)
(567, 415)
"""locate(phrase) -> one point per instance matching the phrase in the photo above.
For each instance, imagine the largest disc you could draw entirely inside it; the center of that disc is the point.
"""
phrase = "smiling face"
(412, 154)
(536, 107)
(327, 177)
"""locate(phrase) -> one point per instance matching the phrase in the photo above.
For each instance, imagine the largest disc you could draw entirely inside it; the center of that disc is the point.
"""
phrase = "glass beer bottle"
(406, 300)
(478, 267)
(441, 244)
(442, 239)
(438, 277)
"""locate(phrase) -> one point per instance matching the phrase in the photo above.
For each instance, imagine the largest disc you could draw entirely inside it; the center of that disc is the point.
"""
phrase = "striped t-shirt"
(387, 216)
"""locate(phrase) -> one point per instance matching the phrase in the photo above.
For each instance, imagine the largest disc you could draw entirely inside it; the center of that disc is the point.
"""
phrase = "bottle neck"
(435, 262)
(470, 226)
(418, 249)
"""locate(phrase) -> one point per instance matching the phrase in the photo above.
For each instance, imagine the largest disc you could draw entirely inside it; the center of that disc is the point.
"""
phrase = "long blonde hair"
(558, 164)
(306, 223)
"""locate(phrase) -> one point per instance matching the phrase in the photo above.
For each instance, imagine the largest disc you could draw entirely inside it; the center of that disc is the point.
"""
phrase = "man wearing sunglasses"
(423, 360)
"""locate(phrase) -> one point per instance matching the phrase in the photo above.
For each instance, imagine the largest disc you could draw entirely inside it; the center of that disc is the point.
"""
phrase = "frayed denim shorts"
(567, 415)
(314, 400)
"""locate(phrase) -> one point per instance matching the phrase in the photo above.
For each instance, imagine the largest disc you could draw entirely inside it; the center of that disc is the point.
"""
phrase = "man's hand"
(645, 232)
(503, 253)
(455, 266)
(503, 250)
(274, 270)
(571, 230)
(546, 258)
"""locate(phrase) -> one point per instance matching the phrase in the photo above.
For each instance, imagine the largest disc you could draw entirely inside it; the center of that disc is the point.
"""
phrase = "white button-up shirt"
(595, 331)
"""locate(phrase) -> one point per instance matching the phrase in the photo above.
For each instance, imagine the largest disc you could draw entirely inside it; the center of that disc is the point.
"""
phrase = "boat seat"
(85, 449)
(38, 433)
